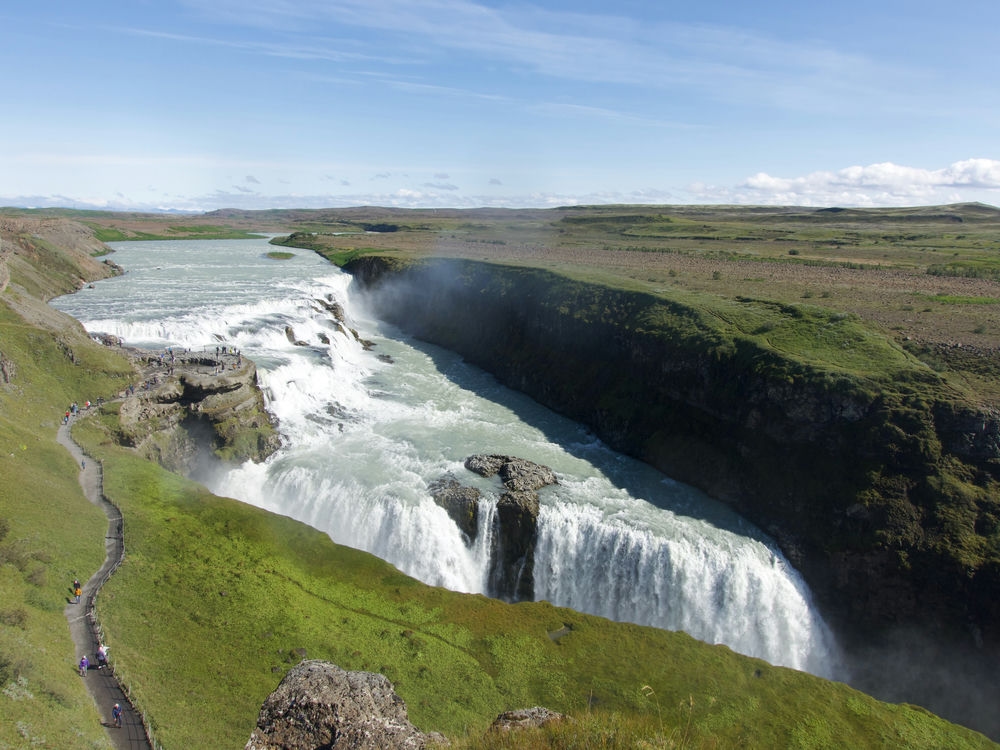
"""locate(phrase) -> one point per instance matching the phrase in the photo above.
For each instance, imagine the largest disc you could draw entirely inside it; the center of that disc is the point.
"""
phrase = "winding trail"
(102, 683)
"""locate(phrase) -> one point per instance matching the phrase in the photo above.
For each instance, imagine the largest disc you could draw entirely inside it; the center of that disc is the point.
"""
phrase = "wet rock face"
(319, 705)
(462, 504)
(512, 576)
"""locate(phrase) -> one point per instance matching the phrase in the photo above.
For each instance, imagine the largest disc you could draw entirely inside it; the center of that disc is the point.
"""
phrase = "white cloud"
(879, 184)
(882, 184)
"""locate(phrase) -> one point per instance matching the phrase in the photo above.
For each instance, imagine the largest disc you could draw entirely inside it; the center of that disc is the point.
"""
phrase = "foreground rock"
(319, 705)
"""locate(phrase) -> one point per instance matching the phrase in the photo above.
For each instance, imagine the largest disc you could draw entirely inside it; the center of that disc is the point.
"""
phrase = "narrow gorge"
(878, 491)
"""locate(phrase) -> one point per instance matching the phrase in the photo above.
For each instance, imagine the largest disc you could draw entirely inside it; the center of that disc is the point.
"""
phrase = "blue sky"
(197, 105)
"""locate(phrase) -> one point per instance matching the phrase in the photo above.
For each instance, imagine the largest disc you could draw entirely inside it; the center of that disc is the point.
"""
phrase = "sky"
(195, 105)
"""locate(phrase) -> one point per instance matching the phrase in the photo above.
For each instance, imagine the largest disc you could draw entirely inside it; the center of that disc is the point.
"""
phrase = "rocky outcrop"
(8, 370)
(512, 555)
(512, 575)
(319, 705)
(526, 718)
(187, 414)
(461, 503)
(512, 549)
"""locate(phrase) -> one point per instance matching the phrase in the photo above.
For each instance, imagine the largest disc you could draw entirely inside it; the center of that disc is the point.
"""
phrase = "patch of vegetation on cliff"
(315, 242)
(245, 436)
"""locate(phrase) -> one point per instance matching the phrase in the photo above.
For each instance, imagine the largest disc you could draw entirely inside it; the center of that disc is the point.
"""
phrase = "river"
(367, 430)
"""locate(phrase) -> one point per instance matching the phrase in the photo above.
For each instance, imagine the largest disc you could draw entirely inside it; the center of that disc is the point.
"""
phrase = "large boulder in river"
(512, 575)
(517, 474)
(319, 705)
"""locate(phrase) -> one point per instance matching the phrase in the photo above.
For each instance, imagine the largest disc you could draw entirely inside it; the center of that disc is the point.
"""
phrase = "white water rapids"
(367, 431)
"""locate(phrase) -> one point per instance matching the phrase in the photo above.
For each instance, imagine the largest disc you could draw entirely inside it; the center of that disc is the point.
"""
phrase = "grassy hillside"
(49, 533)
(217, 599)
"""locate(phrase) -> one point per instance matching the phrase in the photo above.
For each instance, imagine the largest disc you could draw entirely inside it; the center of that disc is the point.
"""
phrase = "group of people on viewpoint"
(75, 409)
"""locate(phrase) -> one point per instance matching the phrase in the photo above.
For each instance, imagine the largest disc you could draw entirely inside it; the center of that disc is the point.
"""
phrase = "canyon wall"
(882, 491)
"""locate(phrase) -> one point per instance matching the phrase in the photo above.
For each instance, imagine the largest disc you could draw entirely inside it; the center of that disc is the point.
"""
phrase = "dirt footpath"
(101, 682)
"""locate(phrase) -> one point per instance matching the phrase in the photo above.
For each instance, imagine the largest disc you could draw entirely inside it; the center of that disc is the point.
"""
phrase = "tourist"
(84, 665)
(116, 715)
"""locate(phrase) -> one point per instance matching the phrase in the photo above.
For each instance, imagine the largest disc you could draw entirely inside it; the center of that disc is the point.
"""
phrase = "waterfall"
(710, 583)
(368, 430)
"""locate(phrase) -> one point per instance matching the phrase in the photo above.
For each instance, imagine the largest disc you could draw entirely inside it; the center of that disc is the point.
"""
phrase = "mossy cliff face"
(881, 487)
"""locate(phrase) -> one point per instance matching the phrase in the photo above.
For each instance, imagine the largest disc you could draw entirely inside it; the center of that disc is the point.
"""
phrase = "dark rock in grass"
(526, 718)
(319, 705)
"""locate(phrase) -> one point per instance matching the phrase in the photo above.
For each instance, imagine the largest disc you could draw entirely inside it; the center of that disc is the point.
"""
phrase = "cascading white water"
(368, 431)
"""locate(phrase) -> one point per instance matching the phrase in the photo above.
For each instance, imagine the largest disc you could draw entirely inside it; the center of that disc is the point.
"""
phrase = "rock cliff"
(189, 412)
(883, 491)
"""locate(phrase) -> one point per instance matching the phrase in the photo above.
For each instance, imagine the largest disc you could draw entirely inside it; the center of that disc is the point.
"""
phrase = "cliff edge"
(192, 410)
